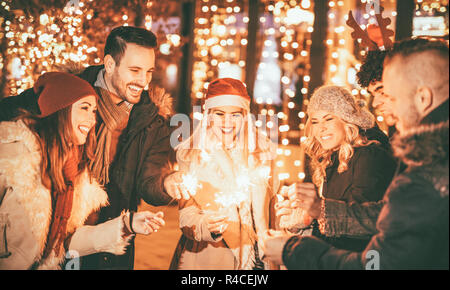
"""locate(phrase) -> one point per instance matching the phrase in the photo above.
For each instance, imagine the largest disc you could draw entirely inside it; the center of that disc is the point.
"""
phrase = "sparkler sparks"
(190, 182)
(229, 199)
(241, 192)
(264, 172)
(280, 198)
(243, 182)
(205, 156)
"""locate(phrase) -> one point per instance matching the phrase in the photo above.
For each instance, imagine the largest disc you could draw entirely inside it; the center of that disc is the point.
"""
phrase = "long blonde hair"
(321, 158)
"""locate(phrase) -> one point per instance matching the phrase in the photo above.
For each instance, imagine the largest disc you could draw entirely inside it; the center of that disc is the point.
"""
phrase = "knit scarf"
(62, 206)
(112, 115)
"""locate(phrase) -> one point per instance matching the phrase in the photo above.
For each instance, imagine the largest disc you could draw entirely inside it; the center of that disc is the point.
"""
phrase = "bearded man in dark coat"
(133, 155)
(413, 226)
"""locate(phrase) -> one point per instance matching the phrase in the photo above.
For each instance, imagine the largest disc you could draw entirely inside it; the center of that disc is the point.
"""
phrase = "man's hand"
(273, 245)
(146, 222)
(175, 188)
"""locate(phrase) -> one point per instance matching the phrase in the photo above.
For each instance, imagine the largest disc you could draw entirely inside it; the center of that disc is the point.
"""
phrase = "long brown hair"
(55, 135)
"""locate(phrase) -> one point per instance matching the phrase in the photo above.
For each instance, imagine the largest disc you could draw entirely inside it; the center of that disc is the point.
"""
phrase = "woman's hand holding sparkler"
(299, 195)
(217, 224)
(146, 222)
(305, 197)
(283, 205)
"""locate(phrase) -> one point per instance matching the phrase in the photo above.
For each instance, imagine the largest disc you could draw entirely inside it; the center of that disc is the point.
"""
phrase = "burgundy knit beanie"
(59, 90)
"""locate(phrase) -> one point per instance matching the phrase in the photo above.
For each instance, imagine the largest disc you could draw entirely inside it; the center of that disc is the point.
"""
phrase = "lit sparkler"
(240, 193)
(230, 199)
(190, 182)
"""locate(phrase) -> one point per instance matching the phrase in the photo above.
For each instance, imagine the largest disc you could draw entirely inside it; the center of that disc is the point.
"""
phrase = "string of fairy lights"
(430, 7)
(291, 28)
(38, 42)
(431, 18)
(72, 34)
(221, 40)
(344, 55)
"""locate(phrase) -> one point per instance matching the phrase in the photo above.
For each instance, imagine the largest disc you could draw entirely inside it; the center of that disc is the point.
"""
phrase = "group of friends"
(81, 149)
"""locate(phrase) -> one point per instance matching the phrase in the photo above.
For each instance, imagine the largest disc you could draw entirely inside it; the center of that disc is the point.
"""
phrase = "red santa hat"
(227, 92)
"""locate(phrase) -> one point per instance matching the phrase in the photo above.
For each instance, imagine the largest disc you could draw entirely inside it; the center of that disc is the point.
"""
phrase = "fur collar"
(22, 172)
(424, 145)
(162, 100)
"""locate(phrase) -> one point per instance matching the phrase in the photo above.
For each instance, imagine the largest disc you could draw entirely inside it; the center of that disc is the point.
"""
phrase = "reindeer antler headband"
(382, 29)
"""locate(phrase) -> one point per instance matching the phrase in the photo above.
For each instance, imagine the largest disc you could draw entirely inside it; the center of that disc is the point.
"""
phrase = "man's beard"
(412, 118)
(116, 86)
(122, 94)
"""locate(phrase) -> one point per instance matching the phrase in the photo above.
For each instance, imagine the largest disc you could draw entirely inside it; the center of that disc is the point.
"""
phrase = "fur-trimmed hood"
(424, 145)
(162, 100)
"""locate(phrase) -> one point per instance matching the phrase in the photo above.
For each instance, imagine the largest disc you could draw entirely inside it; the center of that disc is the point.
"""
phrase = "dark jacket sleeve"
(338, 218)
(407, 226)
(373, 171)
(311, 253)
(412, 224)
(10, 106)
(156, 166)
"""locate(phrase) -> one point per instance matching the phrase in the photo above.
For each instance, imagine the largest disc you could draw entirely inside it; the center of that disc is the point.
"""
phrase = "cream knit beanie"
(340, 102)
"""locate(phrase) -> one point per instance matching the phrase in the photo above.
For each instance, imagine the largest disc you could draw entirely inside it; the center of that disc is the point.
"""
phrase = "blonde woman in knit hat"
(46, 189)
(346, 166)
(224, 220)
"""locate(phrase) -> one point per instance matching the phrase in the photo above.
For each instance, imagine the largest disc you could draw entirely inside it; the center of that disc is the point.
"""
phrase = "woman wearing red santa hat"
(46, 189)
(230, 167)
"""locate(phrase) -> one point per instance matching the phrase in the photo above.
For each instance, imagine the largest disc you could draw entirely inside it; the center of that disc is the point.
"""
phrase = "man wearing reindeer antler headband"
(377, 41)
(349, 218)
(369, 76)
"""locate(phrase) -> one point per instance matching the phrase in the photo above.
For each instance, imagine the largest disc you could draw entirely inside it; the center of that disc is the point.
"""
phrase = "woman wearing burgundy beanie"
(46, 189)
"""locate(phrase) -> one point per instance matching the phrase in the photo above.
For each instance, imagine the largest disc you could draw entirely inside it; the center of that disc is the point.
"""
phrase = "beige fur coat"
(26, 208)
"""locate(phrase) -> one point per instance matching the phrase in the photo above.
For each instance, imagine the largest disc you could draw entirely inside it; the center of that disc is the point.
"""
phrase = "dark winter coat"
(140, 165)
(414, 222)
(370, 170)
